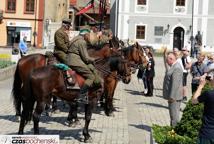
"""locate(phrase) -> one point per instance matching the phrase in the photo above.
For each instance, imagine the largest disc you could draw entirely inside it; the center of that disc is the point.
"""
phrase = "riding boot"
(69, 80)
(83, 96)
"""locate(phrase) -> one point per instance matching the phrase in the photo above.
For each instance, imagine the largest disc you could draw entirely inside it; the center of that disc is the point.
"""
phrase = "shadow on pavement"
(142, 126)
(153, 104)
(133, 92)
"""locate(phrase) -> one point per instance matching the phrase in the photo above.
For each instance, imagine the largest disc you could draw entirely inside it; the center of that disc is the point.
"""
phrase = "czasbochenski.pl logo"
(29, 139)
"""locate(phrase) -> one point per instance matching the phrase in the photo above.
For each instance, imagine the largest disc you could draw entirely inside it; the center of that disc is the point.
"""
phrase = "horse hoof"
(88, 140)
(20, 133)
(17, 119)
(56, 111)
(74, 123)
(111, 114)
(114, 109)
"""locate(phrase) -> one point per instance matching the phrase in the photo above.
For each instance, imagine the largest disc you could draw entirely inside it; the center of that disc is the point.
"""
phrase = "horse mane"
(97, 48)
(127, 50)
(114, 62)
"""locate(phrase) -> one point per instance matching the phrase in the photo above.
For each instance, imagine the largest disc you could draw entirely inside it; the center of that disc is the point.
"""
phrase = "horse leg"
(102, 100)
(72, 116)
(36, 116)
(88, 114)
(109, 92)
(54, 105)
(22, 122)
(18, 110)
(112, 106)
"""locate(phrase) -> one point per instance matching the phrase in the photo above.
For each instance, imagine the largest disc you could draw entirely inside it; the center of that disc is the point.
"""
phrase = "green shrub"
(167, 135)
(4, 64)
(186, 131)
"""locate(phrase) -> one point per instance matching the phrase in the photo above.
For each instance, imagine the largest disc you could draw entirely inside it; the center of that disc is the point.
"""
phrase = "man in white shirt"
(186, 63)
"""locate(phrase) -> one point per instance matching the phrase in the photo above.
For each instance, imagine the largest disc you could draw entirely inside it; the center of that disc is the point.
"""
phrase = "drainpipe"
(192, 38)
(34, 33)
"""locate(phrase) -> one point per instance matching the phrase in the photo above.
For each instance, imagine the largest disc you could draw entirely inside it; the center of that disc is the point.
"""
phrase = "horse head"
(122, 67)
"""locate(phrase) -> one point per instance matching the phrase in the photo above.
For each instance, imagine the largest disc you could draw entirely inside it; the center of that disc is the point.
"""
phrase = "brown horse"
(24, 67)
(136, 56)
(33, 61)
(39, 89)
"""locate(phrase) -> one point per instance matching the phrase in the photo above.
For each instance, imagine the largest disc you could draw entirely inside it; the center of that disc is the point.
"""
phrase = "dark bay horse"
(24, 67)
(39, 89)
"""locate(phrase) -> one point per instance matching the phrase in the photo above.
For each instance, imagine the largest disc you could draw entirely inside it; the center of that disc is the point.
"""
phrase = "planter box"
(152, 140)
(7, 72)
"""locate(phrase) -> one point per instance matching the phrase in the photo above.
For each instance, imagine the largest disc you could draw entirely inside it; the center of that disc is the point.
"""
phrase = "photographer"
(197, 70)
(206, 133)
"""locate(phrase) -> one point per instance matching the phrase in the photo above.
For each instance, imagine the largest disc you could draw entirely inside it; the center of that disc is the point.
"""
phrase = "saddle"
(68, 74)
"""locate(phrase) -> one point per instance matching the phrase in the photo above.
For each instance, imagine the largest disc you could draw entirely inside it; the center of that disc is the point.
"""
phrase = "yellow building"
(29, 18)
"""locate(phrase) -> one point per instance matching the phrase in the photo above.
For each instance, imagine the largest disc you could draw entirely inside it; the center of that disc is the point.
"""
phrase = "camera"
(208, 78)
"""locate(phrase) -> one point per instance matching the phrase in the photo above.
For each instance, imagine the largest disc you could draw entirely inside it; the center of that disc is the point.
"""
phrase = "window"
(158, 30)
(141, 2)
(11, 6)
(29, 6)
(180, 2)
(140, 32)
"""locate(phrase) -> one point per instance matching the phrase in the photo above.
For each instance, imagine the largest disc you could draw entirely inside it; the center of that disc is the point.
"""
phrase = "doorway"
(178, 38)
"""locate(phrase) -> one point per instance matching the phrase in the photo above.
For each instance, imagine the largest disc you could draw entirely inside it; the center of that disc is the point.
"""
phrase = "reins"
(105, 71)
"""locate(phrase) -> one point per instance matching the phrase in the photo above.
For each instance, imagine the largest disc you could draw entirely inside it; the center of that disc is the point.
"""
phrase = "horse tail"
(17, 86)
(28, 103)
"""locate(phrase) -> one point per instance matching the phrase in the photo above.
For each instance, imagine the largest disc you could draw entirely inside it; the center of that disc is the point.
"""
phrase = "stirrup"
(83, 98)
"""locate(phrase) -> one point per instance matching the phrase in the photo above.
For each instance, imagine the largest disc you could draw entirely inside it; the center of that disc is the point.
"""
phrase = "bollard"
(15, 55)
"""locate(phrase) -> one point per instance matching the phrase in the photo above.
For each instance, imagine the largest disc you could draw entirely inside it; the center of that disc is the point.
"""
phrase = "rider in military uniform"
(79, 60)
(62, 44)
(61, 40)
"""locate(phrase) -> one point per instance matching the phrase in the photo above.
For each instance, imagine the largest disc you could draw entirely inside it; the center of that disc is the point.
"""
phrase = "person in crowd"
(206, 133)
(144, 78)
(150, 74)
(172, 87)
(62, 43)
(79, 60)
(176, 51)
(23, 46)
(186, 63)
(197, 70)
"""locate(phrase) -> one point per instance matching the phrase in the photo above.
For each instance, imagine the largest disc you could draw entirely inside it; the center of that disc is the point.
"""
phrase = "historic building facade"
(21, 18)
(36, 19)
(163, 22)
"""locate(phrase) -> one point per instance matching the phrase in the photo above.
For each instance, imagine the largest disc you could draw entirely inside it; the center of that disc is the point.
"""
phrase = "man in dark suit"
(172, 88)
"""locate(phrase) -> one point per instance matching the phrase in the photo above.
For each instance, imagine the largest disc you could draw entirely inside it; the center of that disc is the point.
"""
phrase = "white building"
(163, 22)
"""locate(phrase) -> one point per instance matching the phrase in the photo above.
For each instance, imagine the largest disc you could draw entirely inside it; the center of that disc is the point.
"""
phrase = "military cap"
(92, 23)
(66, 21)
(84, 30)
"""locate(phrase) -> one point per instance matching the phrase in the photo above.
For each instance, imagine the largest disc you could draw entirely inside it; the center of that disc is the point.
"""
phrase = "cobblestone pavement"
(131, 123)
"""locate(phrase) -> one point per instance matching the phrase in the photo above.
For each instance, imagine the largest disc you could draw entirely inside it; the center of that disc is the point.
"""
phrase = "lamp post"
(192, 38)
(34, 33)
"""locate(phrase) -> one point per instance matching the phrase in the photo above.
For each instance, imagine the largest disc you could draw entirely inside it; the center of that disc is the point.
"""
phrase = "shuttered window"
(11, 6)
(29, 6)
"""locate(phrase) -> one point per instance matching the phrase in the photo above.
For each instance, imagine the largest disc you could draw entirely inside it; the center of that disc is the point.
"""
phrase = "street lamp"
(192, 38)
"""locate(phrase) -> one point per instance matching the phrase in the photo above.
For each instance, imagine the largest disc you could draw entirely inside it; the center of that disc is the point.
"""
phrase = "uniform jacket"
(61, 40)
(172, 85)
(78, 52)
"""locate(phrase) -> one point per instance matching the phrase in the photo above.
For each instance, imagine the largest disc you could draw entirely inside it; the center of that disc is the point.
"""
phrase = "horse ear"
(137, 45)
